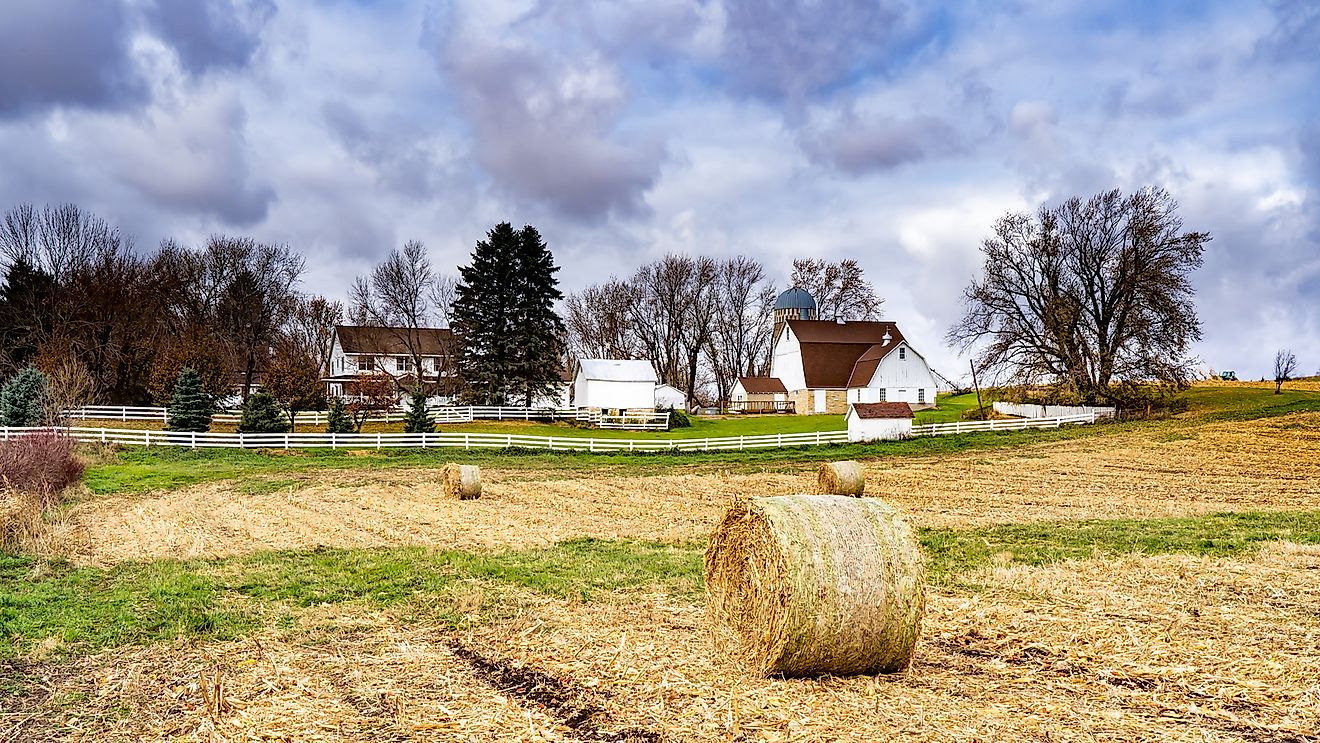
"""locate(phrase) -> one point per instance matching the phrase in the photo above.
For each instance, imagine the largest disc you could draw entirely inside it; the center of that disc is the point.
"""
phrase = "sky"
(891, 132)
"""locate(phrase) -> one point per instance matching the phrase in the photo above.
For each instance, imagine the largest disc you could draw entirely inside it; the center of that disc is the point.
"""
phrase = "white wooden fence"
(1050, 411)
(644, 420)
(139, 437)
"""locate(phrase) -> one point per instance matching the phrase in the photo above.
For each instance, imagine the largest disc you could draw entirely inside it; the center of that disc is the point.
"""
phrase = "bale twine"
(462, 481)
(803, 585)
(841, 478)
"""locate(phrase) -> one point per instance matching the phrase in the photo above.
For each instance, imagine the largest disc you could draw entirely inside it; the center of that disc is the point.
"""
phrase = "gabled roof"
(617, 370)
(763, 385)
(831, 350)
(879, 410)
(866, 364)
(370, 339)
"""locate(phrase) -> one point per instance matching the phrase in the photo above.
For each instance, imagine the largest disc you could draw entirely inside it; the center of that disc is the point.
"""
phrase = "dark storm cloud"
(66, 52)
(211, 34)
(857, 146)
(400, 162)
(542, 124)
(792, 50)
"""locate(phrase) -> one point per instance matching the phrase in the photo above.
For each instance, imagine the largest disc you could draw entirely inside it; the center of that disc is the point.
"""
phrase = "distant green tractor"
(1228, 376)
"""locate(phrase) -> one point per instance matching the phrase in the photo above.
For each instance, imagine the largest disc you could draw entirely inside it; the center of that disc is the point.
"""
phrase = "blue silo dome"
(795, 299)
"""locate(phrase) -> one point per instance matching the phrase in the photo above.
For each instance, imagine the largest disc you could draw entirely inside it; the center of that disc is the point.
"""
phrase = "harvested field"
(1170, 648)
(1268, 464)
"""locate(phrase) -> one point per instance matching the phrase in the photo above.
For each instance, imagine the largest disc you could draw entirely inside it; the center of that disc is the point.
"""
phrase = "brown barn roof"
(763, 385)
(876, 410)
(831, 350)
(390, 341)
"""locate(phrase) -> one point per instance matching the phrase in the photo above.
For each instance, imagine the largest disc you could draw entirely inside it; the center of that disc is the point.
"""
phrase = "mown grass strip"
(87, 608)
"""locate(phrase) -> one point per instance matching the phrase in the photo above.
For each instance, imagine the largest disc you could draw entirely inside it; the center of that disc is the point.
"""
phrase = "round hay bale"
(462, 481)
(803, 585)
(841, 478)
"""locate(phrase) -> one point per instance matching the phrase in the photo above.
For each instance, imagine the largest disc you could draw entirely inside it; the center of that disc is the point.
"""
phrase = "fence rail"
(645, 420)
(209, 440)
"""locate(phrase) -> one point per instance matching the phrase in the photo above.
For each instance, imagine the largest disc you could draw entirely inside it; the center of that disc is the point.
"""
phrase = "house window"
(882, 395)
(405, 364)
(902, 353)
(921, 396)
(366, 363)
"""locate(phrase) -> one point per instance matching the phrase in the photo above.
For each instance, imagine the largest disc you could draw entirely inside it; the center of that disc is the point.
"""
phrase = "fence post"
(334, 438)
(467, 441)
(286, 442)
(102, 435)
(818, 438)
(377, 442)
(509, 443)
(240, 440)
(148, 437)
(194, 439)
(591, 445)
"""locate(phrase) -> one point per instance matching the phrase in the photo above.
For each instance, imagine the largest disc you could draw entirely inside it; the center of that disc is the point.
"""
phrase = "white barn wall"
(787, 361)
(878, 429)
(599, 393)
(900, 378)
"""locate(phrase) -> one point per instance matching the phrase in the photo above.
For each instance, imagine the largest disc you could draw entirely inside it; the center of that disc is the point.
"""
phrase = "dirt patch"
(1169, 648)
(1272, 464)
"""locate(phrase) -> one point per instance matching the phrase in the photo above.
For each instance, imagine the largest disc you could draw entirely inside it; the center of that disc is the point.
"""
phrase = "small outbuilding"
(669, 396)
(878, 421)
(614, 384)
(759, 395)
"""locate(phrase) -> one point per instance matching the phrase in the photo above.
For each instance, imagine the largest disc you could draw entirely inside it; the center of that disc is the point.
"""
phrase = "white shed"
(669, 396)
(876, 421)
(613, 384)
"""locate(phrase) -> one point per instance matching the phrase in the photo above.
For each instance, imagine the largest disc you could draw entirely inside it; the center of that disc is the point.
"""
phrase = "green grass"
(133, 603)
(948, 408)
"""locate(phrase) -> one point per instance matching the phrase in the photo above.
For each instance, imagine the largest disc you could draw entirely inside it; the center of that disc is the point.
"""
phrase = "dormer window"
(902, 353)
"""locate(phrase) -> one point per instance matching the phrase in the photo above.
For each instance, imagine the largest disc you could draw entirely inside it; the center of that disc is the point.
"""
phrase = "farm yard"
(1140, 580)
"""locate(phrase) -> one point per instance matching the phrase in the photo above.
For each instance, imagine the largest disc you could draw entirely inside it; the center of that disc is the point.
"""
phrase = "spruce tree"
(261, 414)
(190, 407)
(23, 399)
(418, 419)
(510, 339)
(338, 420)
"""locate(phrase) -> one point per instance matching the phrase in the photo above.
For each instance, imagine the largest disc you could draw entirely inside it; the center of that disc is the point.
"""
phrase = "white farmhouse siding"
(669, 396)
(901, 375)
(879, 421)
(609, 384)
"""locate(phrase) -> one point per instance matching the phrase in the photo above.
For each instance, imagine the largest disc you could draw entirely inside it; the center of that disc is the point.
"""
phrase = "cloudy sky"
(884, 131)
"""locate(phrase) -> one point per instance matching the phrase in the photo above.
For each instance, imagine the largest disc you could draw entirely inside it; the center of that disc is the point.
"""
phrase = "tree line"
(703, 322)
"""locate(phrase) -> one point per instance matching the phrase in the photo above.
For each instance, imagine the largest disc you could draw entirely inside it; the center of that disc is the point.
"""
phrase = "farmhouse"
(826, 364)
(614, 384)
(759, 395)
(358, 349)
(876, 421)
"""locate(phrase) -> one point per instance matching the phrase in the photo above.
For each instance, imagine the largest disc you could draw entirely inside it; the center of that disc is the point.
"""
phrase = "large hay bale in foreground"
(841, 478)
(462, 481)
(803, 585)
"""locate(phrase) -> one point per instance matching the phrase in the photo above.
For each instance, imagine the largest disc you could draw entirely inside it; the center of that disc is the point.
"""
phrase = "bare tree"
(443, 293)
(1285, 366)
(310, 328)
(600, 325)
(1087, 293)
(740, 338)
(398, 295)
(258, 296)
(840, 289)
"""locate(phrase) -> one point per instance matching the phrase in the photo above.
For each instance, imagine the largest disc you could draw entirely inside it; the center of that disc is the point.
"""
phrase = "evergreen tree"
(190, 407)
(338, 420)
(23, 399)
(261, 414)
(511, 342)
(418, 418)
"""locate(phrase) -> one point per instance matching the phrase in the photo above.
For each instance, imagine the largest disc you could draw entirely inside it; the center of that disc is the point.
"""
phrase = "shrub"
(338, 421)
(261, 414)
(418, 419)
(23, 399)
(983, 413)
(678, 419)
(190, 408)
(41, 463)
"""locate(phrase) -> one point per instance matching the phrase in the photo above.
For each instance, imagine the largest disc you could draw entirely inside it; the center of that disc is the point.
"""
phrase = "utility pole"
(976, 386)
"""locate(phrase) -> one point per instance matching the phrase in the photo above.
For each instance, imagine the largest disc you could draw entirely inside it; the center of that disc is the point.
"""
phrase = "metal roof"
(795, 299)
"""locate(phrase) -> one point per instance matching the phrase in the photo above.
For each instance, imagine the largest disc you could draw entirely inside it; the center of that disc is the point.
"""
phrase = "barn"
(614, 384)
(877, 421)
